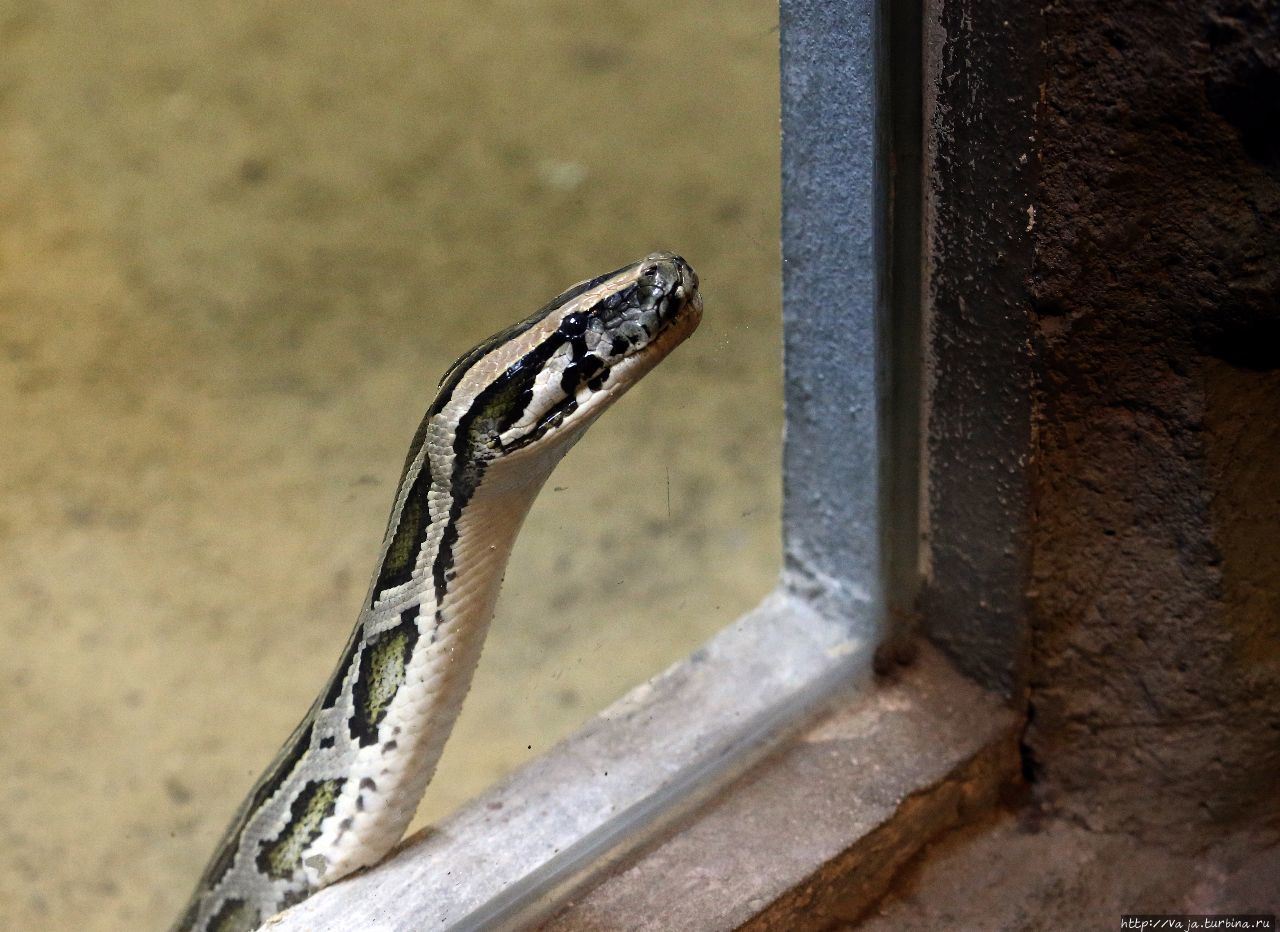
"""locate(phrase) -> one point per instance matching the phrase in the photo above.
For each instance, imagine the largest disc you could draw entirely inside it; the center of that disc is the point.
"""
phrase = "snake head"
(537, 385)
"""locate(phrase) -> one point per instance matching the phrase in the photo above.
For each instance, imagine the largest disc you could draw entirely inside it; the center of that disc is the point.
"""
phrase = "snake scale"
(345, 785)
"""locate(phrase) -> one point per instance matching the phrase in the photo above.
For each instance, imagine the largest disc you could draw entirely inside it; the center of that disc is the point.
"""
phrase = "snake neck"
(426, 654)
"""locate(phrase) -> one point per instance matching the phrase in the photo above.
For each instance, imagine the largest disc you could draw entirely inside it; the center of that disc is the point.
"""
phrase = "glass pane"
(239, 244)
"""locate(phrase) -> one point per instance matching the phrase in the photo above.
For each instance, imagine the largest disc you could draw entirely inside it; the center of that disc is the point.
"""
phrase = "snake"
(345, 785)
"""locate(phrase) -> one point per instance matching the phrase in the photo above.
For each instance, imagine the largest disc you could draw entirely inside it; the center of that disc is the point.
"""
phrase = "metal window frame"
(851, 538)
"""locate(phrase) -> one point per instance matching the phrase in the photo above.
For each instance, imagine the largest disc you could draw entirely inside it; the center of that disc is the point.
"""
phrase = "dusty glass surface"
(239, 243)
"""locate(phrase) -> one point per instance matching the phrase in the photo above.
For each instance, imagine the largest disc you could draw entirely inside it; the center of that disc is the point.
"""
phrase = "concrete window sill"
(813, 835)
(694, 803)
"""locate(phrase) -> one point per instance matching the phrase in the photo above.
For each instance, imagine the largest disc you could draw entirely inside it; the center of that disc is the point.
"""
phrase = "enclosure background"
(238, 246)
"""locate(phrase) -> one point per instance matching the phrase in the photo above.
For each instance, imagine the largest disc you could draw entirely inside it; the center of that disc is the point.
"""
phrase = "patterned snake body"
(345, 785)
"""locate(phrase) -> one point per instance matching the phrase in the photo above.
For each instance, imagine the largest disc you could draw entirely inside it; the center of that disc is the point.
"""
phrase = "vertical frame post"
(831, 285)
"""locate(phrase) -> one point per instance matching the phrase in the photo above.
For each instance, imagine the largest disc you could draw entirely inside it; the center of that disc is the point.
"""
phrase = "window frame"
(854, 477)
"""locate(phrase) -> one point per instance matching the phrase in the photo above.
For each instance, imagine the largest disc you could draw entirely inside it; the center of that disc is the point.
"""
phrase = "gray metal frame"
(832, 470)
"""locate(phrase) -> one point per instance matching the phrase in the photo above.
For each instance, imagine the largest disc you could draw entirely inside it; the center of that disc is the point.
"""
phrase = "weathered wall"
(1155, 304)
(982, 72)
(1103, 483)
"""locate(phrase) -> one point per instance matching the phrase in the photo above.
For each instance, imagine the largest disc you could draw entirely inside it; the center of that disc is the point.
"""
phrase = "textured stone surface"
(1156, 306)
(1023, 873)
(1103, 219)
(813, 835)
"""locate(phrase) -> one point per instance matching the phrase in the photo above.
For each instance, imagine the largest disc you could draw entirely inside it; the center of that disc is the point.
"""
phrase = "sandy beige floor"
(238, 245)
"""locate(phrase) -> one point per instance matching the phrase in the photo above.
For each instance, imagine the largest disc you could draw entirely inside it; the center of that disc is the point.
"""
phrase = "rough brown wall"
(1155, 689)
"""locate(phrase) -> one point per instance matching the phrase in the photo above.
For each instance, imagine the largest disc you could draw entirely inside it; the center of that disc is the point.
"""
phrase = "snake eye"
(574, 325)
(650, 277)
